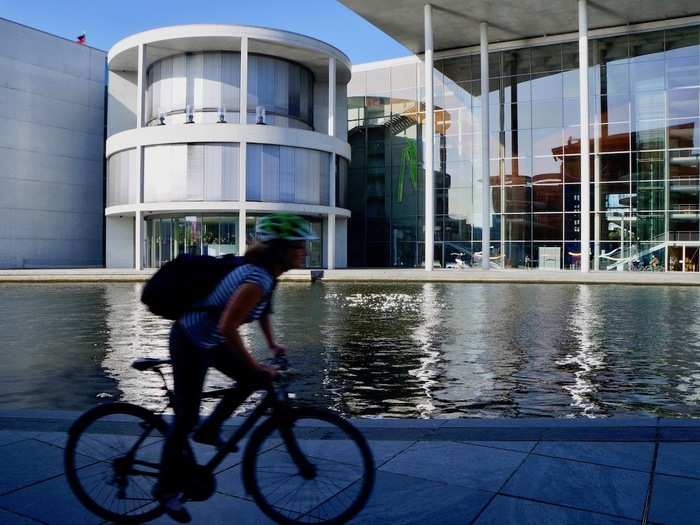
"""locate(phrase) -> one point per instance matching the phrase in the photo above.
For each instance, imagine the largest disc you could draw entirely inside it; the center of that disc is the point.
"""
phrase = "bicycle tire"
(92, 436)
(331, 425)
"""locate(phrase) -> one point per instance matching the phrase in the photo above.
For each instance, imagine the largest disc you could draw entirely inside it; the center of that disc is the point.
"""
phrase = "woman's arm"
(237, 310)
(266, 327)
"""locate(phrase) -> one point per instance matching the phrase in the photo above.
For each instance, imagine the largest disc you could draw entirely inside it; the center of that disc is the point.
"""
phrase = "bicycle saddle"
(148, 363)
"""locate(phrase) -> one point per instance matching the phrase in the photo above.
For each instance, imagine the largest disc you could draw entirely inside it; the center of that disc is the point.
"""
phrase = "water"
(404, 350)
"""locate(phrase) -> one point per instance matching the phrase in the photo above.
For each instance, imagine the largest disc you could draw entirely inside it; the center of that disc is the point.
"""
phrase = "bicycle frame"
(276, 400)
(231, 445)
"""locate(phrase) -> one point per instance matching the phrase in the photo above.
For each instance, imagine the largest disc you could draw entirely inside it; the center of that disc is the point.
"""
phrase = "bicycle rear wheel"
(112, 460)
(308, 466)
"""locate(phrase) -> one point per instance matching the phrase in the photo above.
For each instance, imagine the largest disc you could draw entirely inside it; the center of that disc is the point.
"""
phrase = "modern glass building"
(212, 126)
(628, 185)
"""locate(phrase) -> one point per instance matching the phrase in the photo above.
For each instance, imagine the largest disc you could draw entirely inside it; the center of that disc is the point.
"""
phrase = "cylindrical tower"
(212, 126)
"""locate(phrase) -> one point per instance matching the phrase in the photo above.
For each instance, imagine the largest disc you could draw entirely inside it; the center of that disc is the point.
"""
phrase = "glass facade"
(168, 237)
(644, 104)
(207, 87)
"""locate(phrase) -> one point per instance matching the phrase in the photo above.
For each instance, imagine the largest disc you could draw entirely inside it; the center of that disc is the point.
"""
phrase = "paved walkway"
(381, 275)
(515, 471)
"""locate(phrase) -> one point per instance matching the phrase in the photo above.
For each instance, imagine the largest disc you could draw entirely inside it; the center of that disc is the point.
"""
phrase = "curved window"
(205, 88)
(287, 174)
(283, 89)
(191, 172)
(341, 182)
(122, 178)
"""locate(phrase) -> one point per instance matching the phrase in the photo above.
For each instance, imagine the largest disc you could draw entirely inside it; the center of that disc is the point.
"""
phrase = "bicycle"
(113, 474)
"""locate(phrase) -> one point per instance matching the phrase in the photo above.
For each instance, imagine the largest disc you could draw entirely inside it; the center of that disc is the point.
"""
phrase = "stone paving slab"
(632, 456)
(10, 518)
(586, 486)
(408, 500)
(506, 510)
(431, 477)
(457, 464)
(675, 500)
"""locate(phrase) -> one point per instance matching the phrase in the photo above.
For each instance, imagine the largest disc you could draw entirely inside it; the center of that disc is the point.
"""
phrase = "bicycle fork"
(307, 470)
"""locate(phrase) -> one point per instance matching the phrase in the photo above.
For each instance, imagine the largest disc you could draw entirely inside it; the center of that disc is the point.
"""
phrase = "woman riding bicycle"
(199, 340)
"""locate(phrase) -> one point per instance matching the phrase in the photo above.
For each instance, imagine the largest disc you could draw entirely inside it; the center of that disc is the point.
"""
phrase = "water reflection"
(586, 356)
(400, 350)
(425, 336)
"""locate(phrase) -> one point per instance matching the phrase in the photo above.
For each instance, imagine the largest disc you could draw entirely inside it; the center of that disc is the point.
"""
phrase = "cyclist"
(199, 340)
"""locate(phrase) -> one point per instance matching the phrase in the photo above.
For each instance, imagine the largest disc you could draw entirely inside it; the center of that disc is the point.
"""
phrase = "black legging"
(190, 365)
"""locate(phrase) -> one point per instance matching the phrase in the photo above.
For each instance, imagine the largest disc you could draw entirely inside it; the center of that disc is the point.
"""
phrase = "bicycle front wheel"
(112, 460)
(308, 466)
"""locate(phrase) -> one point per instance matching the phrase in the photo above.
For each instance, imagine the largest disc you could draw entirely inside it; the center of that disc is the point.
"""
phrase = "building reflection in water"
(425, 336)
(133, 333)
(586, 357)
(384, 350)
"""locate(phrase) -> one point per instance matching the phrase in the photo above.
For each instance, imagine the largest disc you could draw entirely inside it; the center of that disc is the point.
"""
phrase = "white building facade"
(52, 94)
(212, 126)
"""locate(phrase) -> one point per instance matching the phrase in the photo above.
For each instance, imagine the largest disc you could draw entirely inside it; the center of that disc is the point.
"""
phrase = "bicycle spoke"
(116, 485)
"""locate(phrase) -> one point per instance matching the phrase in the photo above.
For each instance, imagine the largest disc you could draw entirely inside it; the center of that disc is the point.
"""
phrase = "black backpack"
(179, 284)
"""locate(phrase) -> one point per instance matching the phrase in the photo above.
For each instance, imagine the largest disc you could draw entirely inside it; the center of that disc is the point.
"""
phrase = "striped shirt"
(202, 327)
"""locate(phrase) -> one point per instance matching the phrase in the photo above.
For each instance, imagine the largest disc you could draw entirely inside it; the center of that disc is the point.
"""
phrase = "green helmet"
(285, 227)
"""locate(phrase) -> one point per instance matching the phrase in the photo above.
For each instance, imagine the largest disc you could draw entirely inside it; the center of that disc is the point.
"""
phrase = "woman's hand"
(278, 350)
(266, 371)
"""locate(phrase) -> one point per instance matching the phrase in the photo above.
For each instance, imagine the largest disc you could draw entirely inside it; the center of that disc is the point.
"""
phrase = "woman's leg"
(189, 369)
(226, 362)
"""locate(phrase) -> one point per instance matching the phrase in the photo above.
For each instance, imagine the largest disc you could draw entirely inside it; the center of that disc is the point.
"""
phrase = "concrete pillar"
(331, 218)
(241, 232)
(138, 240)
(243, 148)
(244, 80)
(485, 163)
(141, 87)
(585, 138)
(330, 241)
(140, 123)
(428, 140)
(330, 236)
(331, 96)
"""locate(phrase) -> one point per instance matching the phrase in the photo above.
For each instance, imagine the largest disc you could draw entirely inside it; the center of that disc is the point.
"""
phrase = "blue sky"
(107, 21)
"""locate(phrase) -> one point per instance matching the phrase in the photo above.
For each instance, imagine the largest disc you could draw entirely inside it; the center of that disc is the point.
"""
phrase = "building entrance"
(684, 258)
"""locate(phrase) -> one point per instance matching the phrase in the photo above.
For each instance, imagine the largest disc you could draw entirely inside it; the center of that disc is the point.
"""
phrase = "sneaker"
(175, 509)
(208, 437)
(173, 505)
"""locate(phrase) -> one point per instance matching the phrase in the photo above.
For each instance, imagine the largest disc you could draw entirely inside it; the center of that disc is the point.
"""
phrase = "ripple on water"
(400, 350)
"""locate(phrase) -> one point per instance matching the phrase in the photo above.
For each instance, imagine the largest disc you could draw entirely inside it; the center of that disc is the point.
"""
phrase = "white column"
(241, 231)
(428, 139)
(331, 242)
(138, 218)
(585, 139)
(244, 80)
(331, 96)
(331, 218)
(138, 240)
(140, 122)
(141, 87)
(242, 153)
(243, 148)
(485, 163)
